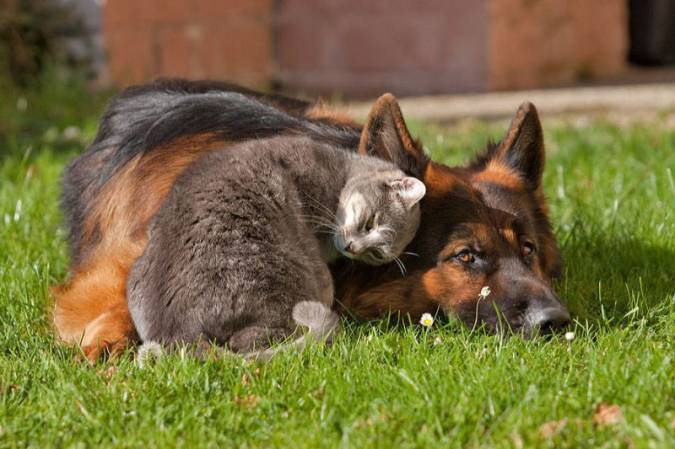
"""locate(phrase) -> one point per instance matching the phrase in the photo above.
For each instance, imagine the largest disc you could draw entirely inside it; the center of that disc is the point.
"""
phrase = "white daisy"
(426, 320)
(485, 292)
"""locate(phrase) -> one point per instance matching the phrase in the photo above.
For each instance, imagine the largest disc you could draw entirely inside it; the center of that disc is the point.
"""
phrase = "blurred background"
(348, 48)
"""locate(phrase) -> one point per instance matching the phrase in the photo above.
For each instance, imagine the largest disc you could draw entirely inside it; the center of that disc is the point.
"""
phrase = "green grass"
(611, 194)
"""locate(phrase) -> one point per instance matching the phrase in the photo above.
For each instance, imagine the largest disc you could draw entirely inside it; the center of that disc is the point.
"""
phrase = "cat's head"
(378, 215)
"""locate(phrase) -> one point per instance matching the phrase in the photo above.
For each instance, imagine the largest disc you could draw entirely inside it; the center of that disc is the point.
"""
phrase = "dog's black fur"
(483, 225)
(144, 118)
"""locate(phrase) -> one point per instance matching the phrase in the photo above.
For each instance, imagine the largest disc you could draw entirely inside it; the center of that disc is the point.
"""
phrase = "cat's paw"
(148, 351)
(317, 317)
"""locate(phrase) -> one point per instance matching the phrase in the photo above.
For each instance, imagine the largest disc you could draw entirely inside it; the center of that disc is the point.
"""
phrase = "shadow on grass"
(605, 280)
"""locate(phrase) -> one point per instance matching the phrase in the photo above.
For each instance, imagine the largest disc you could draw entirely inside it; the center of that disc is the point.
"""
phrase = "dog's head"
(484, 250)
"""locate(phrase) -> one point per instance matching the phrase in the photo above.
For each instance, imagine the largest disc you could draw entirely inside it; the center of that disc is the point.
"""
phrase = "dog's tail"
(321, 323)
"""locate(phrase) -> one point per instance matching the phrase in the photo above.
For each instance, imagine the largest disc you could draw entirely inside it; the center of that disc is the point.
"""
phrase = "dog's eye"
(465, 256)
(528, 248)
(370, 224)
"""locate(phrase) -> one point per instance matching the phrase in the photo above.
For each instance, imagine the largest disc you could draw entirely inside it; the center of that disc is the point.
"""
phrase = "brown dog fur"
(91, 307)
(495, 204)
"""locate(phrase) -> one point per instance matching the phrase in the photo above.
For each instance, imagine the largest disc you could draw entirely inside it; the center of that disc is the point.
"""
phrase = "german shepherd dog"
(482, 225)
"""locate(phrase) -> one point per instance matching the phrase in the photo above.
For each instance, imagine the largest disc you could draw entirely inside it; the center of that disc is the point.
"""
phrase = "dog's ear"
(523, 147)
(385, 135)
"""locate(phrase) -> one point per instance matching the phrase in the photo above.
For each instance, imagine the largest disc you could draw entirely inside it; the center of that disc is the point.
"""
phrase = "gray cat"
(237, 254)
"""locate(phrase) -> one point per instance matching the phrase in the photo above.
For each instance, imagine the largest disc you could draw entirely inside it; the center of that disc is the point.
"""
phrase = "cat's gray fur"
(235, 256)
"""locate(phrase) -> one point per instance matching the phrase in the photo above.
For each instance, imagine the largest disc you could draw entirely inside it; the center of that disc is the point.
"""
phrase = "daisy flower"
(426, 320)
(484, 292)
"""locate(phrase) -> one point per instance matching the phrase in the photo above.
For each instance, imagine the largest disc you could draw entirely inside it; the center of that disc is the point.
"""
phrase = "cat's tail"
(321, 323)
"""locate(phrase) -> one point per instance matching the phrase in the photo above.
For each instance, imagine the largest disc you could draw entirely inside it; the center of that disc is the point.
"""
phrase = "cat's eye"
(465, 256)
(370, 224)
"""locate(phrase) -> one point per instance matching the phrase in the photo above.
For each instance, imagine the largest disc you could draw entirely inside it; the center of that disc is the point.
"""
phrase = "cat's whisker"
(410, 253)
(324, 227)
(401, 266)
(318, 231)
(315, 216)
(321, 223)
(322, 206)
(313, 219)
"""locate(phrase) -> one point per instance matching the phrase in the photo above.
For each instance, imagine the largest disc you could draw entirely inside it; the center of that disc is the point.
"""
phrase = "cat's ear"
(385, 135)
(411, 190)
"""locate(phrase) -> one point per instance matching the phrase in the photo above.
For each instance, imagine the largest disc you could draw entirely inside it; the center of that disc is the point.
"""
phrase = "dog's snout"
(548, 320)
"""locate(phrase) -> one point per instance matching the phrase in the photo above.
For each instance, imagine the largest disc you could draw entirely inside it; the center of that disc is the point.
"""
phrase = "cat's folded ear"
(385, 135)
(411, 190)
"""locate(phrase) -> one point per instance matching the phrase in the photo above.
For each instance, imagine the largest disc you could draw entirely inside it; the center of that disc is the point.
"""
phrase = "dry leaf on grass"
(246, 378)
(550, 428)
(107, 373)
(249, 401)
(517, 441)
(9, 388)
(608, 415)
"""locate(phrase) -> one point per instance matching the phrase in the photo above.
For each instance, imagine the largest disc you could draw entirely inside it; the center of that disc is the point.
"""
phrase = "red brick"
(359, 47)
(410, 47)
(199, 39)
(128, 13)
(549, 42)
(367, 43)
(172, 12)
(301, 45)
(130, 58)
(175, 52)
(231, 9)
(246, 47)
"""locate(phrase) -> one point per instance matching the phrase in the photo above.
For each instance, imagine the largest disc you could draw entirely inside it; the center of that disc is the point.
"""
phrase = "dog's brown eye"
(528, 249)
(465, 256)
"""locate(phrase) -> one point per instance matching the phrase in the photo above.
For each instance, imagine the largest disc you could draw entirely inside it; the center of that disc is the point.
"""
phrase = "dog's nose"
(549, 320)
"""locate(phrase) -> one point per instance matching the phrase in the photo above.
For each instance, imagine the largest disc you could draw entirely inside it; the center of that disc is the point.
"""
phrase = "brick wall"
(535, 43)
(366, 47)
(370, 46)
(196, 39)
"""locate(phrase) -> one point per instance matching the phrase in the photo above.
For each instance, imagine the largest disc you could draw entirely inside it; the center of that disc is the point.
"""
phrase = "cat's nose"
(349, 248)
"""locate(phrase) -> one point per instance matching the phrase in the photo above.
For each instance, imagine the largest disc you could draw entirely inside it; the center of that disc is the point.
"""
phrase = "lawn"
(612, 198)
